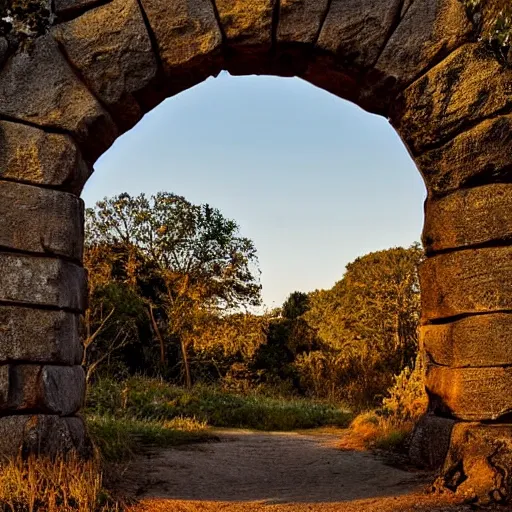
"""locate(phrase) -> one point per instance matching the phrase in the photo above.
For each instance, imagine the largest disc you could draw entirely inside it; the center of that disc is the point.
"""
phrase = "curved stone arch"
(100, 65)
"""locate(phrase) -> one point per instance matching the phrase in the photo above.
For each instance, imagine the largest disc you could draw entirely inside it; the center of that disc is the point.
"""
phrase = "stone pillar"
(42, 293)
(466, 336)
(456, 121)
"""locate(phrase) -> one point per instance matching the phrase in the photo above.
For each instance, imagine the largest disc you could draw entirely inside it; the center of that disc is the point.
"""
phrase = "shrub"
(390, 426)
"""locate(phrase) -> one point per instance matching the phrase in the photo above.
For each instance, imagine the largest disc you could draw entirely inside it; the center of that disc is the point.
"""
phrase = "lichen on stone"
(21, 21)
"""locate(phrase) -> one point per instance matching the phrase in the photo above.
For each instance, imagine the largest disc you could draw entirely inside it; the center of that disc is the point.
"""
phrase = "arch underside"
(66, 96)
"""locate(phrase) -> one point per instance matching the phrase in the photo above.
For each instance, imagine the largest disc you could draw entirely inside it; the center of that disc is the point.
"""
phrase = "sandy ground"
(276, 472)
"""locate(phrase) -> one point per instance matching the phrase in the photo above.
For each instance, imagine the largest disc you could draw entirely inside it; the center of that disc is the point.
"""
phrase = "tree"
(194, 259)
(368, 321)
(116, 312)
(295, 305)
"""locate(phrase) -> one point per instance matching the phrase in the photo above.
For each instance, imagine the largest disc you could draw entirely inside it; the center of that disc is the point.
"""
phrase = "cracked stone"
(43, 434)
(429, 31)
(188, 38)
(299, 20)
(467, 87)
(462, 162)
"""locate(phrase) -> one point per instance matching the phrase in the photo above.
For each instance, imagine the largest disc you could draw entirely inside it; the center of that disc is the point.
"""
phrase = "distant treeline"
(168, 282)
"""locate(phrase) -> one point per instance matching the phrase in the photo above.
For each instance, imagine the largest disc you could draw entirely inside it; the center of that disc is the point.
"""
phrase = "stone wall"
(91, 69)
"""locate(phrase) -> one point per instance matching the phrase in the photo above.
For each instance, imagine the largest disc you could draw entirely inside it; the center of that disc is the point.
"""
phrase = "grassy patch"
(150, 399)
(118, 439)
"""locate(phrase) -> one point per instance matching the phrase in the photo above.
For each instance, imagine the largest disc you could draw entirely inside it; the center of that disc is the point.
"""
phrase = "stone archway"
(75, 74)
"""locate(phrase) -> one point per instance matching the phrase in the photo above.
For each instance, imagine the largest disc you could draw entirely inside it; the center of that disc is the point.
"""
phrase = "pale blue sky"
(314, 180)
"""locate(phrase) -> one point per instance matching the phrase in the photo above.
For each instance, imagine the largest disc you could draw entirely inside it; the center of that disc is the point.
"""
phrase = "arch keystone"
(188, 38)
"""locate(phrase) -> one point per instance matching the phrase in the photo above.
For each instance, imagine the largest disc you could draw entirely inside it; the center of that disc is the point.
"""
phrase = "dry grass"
(40, 484)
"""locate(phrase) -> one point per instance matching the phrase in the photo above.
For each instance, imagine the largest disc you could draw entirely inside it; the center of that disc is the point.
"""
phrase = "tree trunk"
(186, 365)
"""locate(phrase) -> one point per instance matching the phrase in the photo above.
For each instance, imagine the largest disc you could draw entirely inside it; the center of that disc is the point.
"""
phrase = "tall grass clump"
(38, 484)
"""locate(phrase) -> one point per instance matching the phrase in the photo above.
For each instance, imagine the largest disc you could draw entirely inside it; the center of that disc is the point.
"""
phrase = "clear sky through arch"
(314, 180)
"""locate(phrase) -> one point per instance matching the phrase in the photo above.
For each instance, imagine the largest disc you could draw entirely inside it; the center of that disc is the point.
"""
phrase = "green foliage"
(390, 426)
(295, 305)
(183, 262)
(22, 21)
(501, 34)
(367, 324)
(167, 282)
(147, 399)
(492, 22)
(407, 399)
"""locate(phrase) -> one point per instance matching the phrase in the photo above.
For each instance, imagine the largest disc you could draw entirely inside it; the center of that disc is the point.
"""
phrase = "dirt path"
(249, 471)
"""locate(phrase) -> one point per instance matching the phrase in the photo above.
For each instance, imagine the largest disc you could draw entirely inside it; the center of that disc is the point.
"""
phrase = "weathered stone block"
(430, 441)
(39, 336)
(468, 217)
(247, 22)
(478, 464)
(355, 30)
(110, 46)
(299, 20)
(481, 340)
(33, 156)
(70, 7)
(40, 88)
(42, 281)
(43, 434)
(471, 281)
(479, 155)
(429, 30)
(472, 394)
(468, 86)
(41, 220)
(46, 389)
(187, 35)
